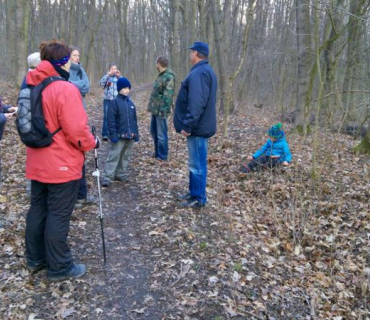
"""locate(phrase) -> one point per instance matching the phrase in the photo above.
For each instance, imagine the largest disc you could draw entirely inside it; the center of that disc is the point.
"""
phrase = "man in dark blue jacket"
(195, 119)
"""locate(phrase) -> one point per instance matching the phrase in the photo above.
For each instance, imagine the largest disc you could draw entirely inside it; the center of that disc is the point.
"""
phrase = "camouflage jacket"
(161, 99)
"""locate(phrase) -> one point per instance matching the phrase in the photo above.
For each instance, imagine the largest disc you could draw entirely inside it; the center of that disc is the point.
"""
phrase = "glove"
(97, 142)
(114, 140)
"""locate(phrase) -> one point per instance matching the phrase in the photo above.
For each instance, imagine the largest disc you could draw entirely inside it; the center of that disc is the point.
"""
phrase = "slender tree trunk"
(219, 51)
(23, 9)
(174, 35)
(202, 20)
(229, 95)
(333, 22)
(304, 64)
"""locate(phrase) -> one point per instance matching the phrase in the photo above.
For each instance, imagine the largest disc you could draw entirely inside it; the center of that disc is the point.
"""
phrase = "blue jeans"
(105, 131)
(158, 130)
(197, 148)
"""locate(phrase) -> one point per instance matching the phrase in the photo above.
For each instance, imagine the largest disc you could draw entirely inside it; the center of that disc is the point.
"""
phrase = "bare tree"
(303, 22)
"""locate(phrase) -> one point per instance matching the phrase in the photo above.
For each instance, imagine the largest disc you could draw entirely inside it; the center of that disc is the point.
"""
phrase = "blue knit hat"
(276, 131)
(123, 83)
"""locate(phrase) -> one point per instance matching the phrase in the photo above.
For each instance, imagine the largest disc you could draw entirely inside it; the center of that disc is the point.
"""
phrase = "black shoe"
(193, 203)
(184, 197)
(245, 169)
(105, 138)
(36, 266)
(122, 179)
(86, 201)
(76, 271)
(106, 182)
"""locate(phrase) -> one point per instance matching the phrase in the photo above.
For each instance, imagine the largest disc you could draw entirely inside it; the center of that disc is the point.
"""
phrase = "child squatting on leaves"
(123, 133)
(273, 153)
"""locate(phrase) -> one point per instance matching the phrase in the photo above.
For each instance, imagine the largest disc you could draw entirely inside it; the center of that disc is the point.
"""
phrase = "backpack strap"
(49, 80)
(43, 85)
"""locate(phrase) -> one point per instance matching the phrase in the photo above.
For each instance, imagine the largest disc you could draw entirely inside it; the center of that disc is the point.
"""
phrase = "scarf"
(63, 73)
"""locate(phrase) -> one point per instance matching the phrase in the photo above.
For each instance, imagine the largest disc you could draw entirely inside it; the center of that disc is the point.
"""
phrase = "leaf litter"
(270, 245)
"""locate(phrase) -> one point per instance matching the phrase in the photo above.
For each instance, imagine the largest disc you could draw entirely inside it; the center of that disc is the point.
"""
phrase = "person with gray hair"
(78, 77)
(33, 61)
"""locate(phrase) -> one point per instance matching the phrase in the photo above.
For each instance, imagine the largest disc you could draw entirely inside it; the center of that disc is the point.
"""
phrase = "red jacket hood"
(44, 69)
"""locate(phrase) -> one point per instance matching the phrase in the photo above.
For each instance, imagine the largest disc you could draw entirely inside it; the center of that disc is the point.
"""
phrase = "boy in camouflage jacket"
(160, 105)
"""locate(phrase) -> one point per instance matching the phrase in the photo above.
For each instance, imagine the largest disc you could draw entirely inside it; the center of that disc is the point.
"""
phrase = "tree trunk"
(304, 65)
(229, 95)
(219, 51)
(174, 35)
(23, 13)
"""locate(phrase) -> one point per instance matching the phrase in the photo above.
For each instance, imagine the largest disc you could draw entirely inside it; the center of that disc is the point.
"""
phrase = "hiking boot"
(192, 203)
(123, 179)
(183, 197)
(76, 271)
(106, 182)
(36, 266)
(245, 169)
(105, 138)
(82, 202)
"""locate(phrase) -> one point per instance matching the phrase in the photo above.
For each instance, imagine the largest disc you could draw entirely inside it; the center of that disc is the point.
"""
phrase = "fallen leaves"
(264, 246)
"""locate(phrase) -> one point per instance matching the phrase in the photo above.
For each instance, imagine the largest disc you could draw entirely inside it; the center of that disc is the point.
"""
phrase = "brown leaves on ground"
(271, 245)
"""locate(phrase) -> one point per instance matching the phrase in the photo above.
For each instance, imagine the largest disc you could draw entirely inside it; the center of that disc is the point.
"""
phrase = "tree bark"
(219, 52)
(304, 64)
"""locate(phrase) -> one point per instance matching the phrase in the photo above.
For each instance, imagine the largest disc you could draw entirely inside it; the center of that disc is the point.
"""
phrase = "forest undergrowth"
(280, 244)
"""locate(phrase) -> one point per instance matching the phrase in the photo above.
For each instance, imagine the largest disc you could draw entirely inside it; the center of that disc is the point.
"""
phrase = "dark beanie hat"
(123, 83)
(276, 131)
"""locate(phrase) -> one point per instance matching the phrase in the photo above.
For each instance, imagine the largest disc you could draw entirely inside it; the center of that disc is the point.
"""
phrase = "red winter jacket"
(62, 105)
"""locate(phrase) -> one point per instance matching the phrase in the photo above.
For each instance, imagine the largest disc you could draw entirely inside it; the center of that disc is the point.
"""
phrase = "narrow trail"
(258, 250)
(138, 224)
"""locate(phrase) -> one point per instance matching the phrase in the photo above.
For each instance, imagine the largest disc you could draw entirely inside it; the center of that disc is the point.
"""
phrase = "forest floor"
(281, 244)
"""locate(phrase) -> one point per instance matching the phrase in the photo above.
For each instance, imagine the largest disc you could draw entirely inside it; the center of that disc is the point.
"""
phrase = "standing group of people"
(194, 118)
(57, 172)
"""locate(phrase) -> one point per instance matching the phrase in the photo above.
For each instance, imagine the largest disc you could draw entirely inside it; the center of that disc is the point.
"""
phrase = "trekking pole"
(96, 174)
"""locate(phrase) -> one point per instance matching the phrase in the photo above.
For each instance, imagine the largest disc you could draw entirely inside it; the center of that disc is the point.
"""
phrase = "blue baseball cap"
(201, 47)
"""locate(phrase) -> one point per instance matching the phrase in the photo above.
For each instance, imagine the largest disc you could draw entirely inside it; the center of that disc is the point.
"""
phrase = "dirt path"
(142, 240)
(276, 245)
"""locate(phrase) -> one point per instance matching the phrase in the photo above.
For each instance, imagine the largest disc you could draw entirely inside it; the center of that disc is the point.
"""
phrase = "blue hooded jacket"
(279, 148)
(195, 111)
(122, 119)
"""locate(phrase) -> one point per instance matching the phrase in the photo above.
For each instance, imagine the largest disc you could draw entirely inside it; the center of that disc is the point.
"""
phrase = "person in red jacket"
(55, 170)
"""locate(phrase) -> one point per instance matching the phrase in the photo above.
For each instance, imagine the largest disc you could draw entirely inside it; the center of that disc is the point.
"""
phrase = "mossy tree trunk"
(364, 146)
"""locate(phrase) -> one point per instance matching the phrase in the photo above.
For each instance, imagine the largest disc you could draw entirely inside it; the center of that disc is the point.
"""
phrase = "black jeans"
(47, 224)
(263, 162)
(82, 188)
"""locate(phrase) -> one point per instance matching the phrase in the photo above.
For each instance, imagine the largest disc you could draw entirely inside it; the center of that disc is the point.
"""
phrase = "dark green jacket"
(161, 99)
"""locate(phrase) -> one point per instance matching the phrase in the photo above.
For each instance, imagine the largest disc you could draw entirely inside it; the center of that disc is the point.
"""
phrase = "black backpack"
(30, 116)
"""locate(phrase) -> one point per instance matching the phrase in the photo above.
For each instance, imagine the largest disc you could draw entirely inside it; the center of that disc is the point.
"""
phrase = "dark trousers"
(47, 224)
(82, 185)
(263, 162)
